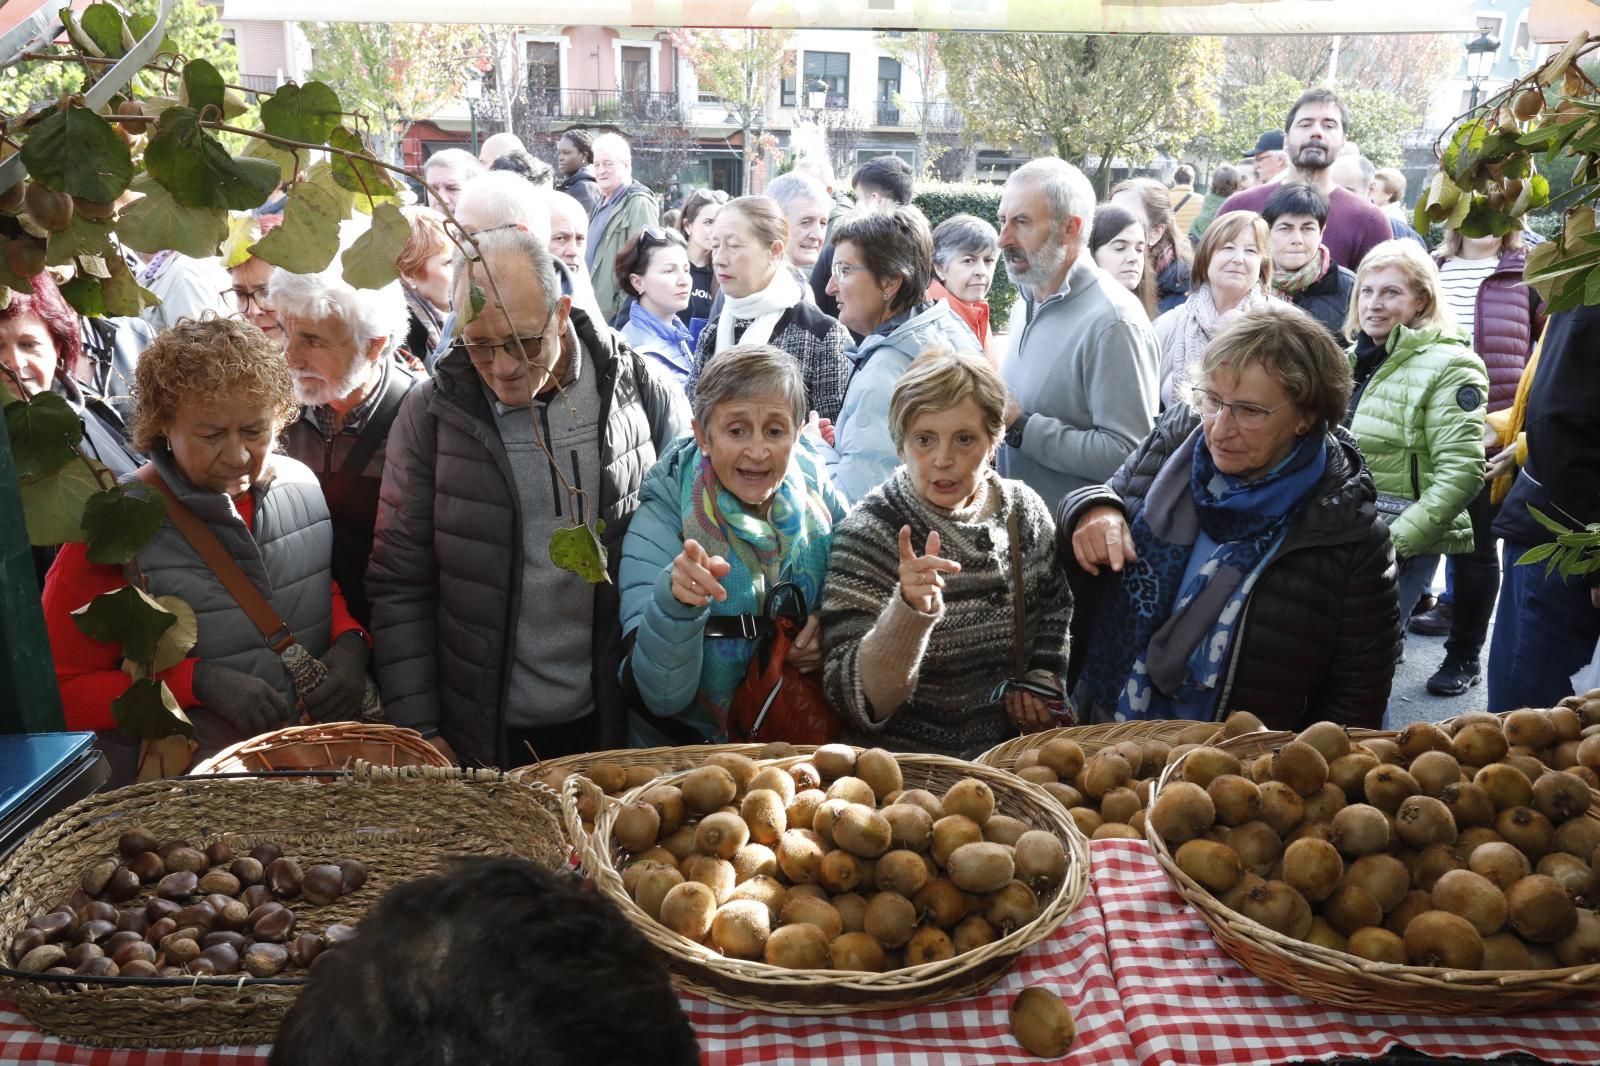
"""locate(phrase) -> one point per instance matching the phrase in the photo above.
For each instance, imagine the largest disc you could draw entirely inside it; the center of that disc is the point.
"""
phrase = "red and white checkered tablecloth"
(1172, 997)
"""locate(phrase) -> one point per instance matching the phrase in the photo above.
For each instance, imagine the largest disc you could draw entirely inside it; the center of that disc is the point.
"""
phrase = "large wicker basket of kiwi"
(842, 880)
(1444, 869)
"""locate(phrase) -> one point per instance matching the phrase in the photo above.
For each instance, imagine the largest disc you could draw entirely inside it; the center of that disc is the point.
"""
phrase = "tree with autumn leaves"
(741, 68)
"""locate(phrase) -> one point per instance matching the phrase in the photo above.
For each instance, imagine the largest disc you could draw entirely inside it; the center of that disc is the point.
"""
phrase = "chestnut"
(355, 874)
(94, 932)
(158, 908)
(232, 915)
(338, 933)
(237, 941)
(123, 886)
(255, 896)
(26, 941)
(75, 902)
(135, 841)
(248, 870)
(184, 859)
(274, 926)
(218, 853)
(265, 960)
(170, 845)
(181, 950)
(322, 885)
(149, 866)
(134, 920)
(216, 901)
(220, 882)
(202, 968)
(57, 925)
(170, 971)
(284, 878)
(201, 916)
(266, 854)
(82, 953)
(114, 943)
(158, 930)
(139, 968)
(101, 967)
(222, 958)
(129, 952)
(98, 910)
(96, 876)
(306, 947)
(178, 886)
(42, 958)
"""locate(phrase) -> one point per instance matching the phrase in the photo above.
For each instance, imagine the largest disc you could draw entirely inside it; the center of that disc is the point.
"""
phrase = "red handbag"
(775, 701)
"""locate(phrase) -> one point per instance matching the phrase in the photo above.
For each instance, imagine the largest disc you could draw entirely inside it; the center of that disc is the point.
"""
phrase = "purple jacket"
(1508, 319)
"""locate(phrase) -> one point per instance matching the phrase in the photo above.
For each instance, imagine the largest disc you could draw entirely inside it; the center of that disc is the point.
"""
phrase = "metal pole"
(1333, 61)
(1473, 106)
(472, 109)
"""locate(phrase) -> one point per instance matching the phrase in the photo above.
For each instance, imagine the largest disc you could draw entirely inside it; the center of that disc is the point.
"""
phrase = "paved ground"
(1410, 701)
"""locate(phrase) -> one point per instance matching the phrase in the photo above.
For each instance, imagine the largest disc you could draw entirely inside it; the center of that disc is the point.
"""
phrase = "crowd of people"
(1211, 461)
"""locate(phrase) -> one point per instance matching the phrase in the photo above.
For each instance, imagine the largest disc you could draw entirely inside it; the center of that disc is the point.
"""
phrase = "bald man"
(497, 146)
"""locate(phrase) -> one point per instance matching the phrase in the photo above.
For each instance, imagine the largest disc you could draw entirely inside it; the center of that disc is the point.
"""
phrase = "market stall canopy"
(1072, 16)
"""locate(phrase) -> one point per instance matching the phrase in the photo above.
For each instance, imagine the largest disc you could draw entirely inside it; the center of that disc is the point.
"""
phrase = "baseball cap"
(1271, 141)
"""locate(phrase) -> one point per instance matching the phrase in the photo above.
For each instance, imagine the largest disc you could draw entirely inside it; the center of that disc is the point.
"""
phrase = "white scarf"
(761, 309)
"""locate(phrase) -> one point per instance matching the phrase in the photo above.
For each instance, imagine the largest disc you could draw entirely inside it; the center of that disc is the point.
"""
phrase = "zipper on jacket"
(577, 484)
(1416, 477)
(555, 482)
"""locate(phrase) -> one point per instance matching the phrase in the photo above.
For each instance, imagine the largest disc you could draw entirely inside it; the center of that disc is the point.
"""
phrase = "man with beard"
(1316, 127)
(1084, 365)
(340, 344)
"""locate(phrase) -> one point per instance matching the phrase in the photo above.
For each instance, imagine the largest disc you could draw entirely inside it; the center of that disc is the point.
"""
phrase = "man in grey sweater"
(1084, 364)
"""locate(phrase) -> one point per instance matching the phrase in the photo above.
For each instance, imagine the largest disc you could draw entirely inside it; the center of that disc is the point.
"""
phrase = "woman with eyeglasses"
(699, 213)
(1237, 560)
(764, 304)
(653, 269)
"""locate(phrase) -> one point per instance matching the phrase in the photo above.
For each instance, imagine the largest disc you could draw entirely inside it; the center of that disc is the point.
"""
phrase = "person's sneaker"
(1454, 677)
(1435, 622)
(1425, 604)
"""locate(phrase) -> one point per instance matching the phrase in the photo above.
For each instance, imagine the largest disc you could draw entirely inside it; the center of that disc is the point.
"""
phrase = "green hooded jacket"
(1420, 425)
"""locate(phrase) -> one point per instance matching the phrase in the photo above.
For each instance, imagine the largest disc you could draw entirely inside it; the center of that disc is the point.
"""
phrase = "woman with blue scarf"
(724, 517)
(1237, 560)
(653, 268)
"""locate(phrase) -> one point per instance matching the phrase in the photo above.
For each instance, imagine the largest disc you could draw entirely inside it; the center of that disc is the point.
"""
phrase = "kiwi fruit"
(800, 855)
(1215, 866)
(1279, 907)
(1575, 876)
(1505, 951)
(1087, 819)
(708, 788)
(1507, 787)
(776, 780)
(801, 811)
(1349, 771)
(764, 815)
(1419, 737)
(1529, 728)
(1433, 862)
(856, 951)
(1474, 837)
(1479, 743)
(1528, 765)
(1589, 752)
(1065, 795)
(652, 887)
(880, 771)
(49, 209)
(658, 855)
(921, 797)
(1235, 799)
(680, 842)
(950, 833)
(1042, 1023)
(862, 831)
(1324, 935)
(806, 910)
(1040, 859)
(688, 909)
(1383, 877)
(721, 834)
(940, 902)
(802, 946)
(834, 760)
(1063, 756)
(1423, 820)
(827, 815)
(1376, 945)
(1247, 883)
(1415, 902)
(1258, 846)
(901, 871)
(971, 799)
(1499, 863)
(852, 908)
(767, 891)
(980, 867)
(1011, 906)
(1386, 751)
(1469, 804)
(891, 919)
(1386, 787)
(1205, 763)
(1281, 807)
(853, 790)
(1434, 770)
(1439, 938)
(716, 874)
(1566, 722)
(1300, 766)
(1313, 868)
(1105, 771)
(1351, 907)
(806, 777)
(1578, 836)
(910, 826)
(1581, 947)
(637, 826)
(754, 860)
(1540, 909)
(740, 929)
(1329, 738)
(1116, 831)
(669, 805)
(1472, 896)
(1324, 803)
(1182, 812)
(840, 871)
(1238, 723)
(1259, 769)
(929, 944)
(1526, 829)
(740, 767)
(1119, 804)
(1560, 796)
(973, 932)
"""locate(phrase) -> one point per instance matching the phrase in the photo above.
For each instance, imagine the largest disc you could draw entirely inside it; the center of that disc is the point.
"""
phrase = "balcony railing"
(605, 105)
(264, 83)
(941, 115)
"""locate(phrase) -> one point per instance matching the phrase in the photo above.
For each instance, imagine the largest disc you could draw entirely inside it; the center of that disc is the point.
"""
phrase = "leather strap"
(1020, 611)
(222, 563)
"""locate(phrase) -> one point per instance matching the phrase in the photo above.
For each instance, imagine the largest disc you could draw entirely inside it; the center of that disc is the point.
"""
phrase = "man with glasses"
(247, 295)
(626, 207)
(536, 422)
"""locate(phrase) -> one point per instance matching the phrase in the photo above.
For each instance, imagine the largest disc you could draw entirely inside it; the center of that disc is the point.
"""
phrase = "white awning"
(1072, 16)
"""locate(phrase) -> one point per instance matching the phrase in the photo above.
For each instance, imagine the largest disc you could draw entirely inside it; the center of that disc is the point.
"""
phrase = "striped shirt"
(1459, 281)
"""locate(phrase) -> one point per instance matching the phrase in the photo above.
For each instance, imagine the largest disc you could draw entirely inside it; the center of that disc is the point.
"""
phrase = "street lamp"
(1481, 54)
(474, 93)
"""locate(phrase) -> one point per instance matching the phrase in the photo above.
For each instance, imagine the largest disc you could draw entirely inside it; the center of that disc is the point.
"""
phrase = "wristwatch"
(1014, 430)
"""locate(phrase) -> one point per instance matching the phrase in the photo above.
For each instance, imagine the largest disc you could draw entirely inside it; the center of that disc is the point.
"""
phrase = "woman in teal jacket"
(1416, 410)
(723, 518)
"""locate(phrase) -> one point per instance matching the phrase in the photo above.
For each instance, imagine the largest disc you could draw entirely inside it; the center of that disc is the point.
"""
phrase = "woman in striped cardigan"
(919, 609)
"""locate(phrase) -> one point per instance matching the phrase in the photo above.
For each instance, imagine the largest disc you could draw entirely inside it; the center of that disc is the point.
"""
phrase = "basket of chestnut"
(135, 919)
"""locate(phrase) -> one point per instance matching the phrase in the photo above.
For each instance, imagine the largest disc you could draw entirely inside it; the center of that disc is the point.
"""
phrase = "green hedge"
(940, 200)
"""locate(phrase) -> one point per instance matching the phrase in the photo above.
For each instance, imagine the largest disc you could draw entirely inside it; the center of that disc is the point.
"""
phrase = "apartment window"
(833, 68)
(1523, 46)
(635, 74)
(888, 89)
(544, 67)
(231, 38)
(786, 88)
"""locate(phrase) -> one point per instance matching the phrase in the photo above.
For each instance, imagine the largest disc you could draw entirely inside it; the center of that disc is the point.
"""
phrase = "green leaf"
(1483, 220)
(308, 238)
(83, 293)
(577, 549)
(476, 298)
(202, 87)
(103, 24)
(81, 237)
(52, 505)
(1538, 190)
(306, 112)
(44, 432)
(141, 25)
(1546, 521)
(1550, 134)
(120, 521)
(1463, 207)
(128, 617)
(75, 151)
(1591, 288)
(369, 263)
(285, 161)
(149, 711)
(199, 172)
(181, 636)
(359, 175)
(122, 294)
(1538, 553)
(157, 221)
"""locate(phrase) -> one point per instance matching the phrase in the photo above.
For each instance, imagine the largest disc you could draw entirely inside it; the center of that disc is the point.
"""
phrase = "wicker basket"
(758, 986)
(1091, 738)
(667, 760)
(334, 746)
(1341, 980)
(402, 823)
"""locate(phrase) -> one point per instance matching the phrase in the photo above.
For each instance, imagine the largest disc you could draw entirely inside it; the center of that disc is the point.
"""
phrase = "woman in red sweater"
(211, 398)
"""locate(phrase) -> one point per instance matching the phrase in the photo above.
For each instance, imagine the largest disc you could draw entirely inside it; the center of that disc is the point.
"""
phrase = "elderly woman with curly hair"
(211, 397)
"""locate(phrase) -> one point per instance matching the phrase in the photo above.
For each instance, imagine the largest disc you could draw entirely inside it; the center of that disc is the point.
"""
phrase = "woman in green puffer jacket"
(1416, 410)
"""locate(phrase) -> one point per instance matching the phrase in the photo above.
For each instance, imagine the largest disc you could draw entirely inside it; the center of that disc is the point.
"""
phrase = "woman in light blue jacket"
(724, 517)
(882, 263)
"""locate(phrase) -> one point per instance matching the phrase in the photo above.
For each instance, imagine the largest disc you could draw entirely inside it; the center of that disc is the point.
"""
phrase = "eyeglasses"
(484, 354)
(842, 271)
(1246, 415)
(653, 235)
(243, 298)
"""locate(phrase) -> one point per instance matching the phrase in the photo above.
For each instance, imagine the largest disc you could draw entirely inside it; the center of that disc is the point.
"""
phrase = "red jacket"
(975, 314)
(1508, 318)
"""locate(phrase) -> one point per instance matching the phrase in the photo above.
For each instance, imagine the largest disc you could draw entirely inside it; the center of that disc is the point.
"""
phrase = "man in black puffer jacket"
(479, 638)
(1318, 635)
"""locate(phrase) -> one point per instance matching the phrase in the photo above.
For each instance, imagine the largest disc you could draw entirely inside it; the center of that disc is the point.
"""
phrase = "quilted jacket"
(1419, 423)
(1320, 632)
(1508, 319)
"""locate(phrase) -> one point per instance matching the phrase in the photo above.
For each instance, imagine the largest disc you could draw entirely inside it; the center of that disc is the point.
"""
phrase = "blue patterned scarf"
(1161, 644)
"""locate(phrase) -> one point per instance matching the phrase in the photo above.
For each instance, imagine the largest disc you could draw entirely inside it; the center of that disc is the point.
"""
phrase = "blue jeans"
(1415, 575)
(1544, 630)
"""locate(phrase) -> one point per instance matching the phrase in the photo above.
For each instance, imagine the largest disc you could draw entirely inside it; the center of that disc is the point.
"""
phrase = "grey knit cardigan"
(970, 650)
